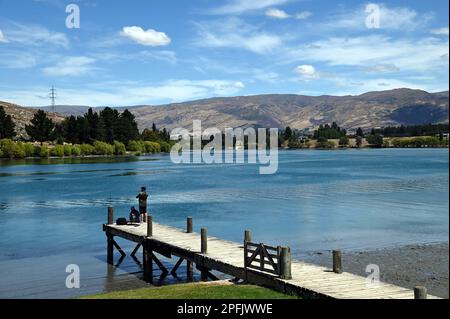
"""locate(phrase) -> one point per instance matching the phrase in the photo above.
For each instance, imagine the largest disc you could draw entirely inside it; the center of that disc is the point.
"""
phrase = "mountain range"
(373, 109)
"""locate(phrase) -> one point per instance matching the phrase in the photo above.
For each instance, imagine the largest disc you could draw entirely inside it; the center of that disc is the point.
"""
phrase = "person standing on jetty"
(142, 197)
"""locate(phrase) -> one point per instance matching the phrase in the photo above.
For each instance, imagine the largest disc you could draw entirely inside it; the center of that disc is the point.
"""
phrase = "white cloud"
(148, 37)
(71, 66)
(269, 77)
(360, 86)
(166, 56)
(17, 60)
(234, 33)
(34, 35)
(242, 6)
(277, 14)
(440, 31)
(3, 39)
(381, 68)
(391, 18)
(144, 56)
(367, 51)
(303, 15)
(307, 72)
(126, 93)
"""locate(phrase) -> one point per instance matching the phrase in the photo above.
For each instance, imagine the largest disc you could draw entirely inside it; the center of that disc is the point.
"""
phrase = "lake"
(51, 212)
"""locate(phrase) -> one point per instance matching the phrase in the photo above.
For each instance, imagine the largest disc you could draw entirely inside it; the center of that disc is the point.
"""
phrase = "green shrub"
(152, 147)
(119, 148)
(101, 148)
(67, 150)
(417, 142)
(19, 150)
(375, 140)
(76, 151)
(165, 147)
(135, 146)
(10, 149)
(87, 149)
(57, 151)
(343, 141)
(29, 150)
(323, 143)
(43, 151)
(7, 147)
(37, 151)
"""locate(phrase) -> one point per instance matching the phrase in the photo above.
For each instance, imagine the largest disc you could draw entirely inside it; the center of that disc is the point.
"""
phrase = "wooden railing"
(262, 257)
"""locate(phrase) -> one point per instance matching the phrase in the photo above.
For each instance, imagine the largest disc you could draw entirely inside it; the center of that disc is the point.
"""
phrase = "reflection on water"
(135, 173)
(51, 215)
(74, 160)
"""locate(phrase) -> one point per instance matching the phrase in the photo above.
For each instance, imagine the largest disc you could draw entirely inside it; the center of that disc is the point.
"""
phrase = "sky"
(140, 52)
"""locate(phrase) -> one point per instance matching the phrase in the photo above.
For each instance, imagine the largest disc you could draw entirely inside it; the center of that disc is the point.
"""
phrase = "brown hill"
(374, 109)
(23, 115)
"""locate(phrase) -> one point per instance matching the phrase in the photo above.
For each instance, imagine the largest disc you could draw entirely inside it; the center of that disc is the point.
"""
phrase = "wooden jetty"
(254, 263)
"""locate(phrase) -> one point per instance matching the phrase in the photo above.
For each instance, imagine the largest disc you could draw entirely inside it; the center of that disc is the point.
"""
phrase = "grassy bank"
(196, 291)
(20, 150)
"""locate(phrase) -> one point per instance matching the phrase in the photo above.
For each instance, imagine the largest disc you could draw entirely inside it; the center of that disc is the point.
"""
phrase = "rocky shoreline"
(407, 266)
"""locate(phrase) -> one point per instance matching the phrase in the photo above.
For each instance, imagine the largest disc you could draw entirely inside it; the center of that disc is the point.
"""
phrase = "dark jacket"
(142, 196)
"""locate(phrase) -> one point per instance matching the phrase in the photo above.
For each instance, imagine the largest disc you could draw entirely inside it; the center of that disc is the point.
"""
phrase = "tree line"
(7, 125)
(410, 131)
(107, 126)
(107, 132)
(92, 132)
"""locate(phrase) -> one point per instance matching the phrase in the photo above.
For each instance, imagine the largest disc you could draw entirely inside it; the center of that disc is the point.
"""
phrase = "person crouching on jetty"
(142, 197)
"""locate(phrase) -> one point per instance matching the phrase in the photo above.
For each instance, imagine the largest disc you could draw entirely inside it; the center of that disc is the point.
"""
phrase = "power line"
(53, 98)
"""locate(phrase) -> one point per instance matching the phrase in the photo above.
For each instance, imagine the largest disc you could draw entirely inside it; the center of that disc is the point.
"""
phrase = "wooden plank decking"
(228, 257)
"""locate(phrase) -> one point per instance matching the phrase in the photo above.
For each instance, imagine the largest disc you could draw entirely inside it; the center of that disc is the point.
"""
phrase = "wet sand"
(408, 266)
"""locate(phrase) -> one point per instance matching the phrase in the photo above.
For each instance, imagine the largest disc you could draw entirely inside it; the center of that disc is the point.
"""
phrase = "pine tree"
(287, 133)
(41, 127)
(7, 126)
(93, 121)
(70, 130)
(359, 132)
(83, 130)
(127, 129)
(110, 120)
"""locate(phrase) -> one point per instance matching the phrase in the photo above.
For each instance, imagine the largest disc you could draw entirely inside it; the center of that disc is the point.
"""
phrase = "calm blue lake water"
(51, 212)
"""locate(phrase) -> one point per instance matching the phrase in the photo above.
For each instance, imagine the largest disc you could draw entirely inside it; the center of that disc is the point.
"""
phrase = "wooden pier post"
(110, 215)
(204, 275)
(337, 261)
(110, 248)
(247, 236)
(285, 263)
(189, 270)
(147, 263)
(189, 264)
(189, 225)
(149, 226)
(420, 292)
(110, 238)
(204, 240)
